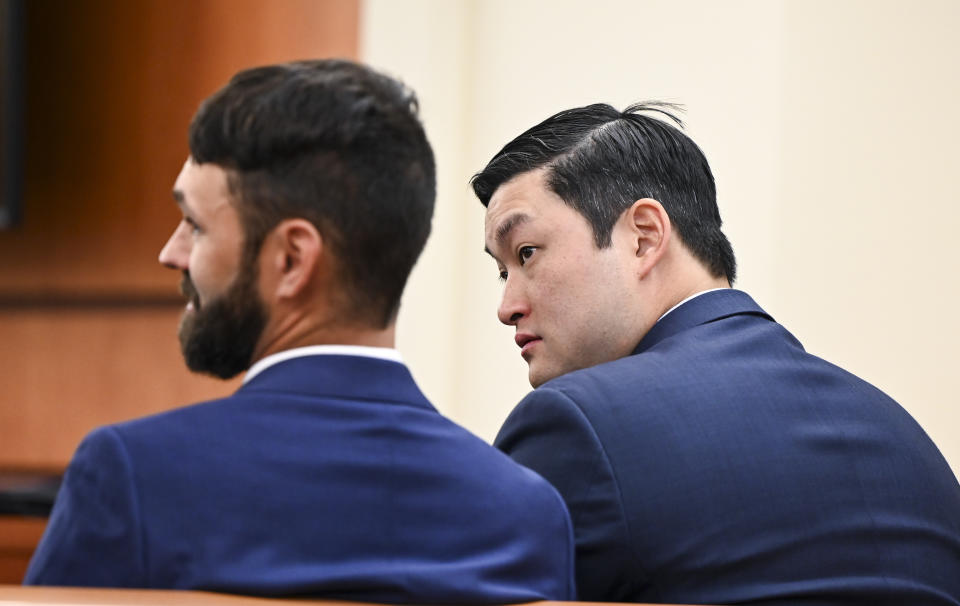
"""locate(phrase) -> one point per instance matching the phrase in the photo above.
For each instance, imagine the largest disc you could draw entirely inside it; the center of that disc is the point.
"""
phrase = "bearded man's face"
(224, 316)
(219, 337)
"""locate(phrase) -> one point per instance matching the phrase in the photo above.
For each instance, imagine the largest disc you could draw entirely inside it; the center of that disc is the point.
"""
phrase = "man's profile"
(705, 457)
(306, 200)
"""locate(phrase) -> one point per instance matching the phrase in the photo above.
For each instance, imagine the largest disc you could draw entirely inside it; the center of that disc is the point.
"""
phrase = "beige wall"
(831, 127)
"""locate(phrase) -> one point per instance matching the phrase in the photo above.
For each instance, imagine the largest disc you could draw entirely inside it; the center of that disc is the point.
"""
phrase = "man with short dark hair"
(705, 457)
(306, 201)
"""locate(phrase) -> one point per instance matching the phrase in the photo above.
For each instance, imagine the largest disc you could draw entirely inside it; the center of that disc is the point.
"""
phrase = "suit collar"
(340, 376)
(385, 353)
(708, 307)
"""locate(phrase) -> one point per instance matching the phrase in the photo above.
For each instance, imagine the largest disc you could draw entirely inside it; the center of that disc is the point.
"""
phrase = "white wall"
(831, 127)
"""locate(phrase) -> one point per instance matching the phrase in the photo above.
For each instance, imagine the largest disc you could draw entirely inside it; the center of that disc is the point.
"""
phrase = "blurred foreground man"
(705, 457)
(306, 200)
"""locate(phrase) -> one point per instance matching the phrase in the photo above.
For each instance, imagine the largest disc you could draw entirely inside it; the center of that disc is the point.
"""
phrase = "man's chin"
(220, 360)
(219, 337)
(538, 375)
(216, 348)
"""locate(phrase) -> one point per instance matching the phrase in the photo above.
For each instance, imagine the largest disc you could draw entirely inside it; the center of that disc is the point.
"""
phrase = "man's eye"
(503, 275)
(525, 253)
(193, 224)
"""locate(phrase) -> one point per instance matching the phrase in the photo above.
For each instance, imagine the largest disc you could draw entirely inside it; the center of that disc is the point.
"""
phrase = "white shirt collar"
(693, 296)
(383, 353)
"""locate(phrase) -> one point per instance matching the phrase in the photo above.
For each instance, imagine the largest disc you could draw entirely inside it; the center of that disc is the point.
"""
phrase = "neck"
(301, 331)
(681, 277)
(708, 283)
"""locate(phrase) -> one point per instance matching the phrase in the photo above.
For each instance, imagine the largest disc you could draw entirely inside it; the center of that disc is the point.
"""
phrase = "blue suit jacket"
(324, 475)
(721, 463)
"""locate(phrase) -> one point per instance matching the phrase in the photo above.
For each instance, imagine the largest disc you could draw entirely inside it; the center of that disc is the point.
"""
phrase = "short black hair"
(340, 145)
(600, 161)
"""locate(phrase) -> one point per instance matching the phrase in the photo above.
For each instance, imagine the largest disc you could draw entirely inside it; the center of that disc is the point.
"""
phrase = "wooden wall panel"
(73, 369)
(18, 536)
(87, 316)
(111, 87)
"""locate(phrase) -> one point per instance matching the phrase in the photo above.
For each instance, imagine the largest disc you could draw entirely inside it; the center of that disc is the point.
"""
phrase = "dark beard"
(219, 337)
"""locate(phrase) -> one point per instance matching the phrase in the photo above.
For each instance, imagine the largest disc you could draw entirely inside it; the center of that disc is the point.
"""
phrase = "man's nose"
(176, 252)
(513, 305)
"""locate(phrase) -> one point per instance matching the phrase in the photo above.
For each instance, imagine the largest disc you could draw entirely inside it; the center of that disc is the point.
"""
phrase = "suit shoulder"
(147, 425)
(516, 480)
(581, 391)
(100, 449)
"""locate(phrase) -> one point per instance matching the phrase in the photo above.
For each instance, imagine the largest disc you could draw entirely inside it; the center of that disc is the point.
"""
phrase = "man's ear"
(293, 252)
(650, 233)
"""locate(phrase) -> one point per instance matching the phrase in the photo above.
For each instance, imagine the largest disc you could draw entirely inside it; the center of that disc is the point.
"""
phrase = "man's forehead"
(504, 218)
(185, 170)
(200, 182)
(512, 198)
(504, 210)
(183, 180)
(523, 199)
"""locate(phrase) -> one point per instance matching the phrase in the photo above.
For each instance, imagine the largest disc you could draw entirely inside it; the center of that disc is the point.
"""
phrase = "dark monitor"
(11, 111)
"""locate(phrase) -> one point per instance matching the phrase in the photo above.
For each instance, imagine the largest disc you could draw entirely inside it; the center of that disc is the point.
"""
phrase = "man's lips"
(193, 303)
(525, 342)
(188, 291)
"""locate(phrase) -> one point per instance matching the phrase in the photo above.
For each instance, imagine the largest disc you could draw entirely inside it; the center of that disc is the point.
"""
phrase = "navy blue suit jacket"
(324, 475)
(721, 463)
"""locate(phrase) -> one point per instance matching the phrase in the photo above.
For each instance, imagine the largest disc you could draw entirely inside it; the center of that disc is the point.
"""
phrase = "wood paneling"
(111, 87)
(73, 370)
(86, 337)
(18, 536)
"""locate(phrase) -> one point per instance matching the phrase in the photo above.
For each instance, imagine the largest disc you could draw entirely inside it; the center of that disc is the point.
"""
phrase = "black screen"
(11, 111)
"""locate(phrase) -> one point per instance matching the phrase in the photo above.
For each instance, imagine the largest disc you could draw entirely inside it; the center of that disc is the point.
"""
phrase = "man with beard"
(306, 200)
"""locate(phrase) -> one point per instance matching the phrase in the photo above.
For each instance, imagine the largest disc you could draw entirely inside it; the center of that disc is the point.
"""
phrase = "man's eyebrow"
(507, 226)
(504, 229)
(181, 199)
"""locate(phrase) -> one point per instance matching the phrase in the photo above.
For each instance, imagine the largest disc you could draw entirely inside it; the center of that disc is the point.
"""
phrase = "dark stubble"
(219, 337)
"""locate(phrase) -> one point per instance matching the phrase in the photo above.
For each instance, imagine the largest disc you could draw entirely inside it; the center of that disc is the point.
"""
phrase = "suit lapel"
(708, 307)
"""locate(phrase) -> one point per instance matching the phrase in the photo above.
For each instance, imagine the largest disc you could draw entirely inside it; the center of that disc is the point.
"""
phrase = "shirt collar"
(383, 353)
(710, 307)
(693, 296)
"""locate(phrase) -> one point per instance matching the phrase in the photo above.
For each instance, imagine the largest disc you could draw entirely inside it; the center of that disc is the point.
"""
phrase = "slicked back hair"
(335, 143)
(600, 161)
